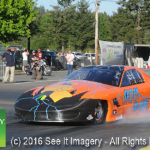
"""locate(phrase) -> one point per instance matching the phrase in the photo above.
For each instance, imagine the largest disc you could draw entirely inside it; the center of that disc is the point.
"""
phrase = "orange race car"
(94, 93)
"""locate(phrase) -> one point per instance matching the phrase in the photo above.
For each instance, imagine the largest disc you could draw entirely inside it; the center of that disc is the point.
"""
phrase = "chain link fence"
(2, 64)
(2, 70)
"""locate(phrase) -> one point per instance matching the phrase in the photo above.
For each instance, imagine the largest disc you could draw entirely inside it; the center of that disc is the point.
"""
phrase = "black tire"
(48, 72)
(100, 113)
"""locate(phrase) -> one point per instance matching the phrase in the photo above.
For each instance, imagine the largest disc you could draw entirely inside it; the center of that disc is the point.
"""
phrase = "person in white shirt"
(70, 58)
(149, 61)
(25, 60)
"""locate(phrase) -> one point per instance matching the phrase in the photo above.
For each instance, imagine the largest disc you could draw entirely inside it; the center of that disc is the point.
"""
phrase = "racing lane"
(130, 128)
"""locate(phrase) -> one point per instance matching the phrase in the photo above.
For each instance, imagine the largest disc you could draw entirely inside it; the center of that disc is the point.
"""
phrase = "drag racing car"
(94, 93)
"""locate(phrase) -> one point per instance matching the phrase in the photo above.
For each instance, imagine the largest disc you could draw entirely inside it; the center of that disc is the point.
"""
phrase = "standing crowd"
(70, 58)
(9, 57)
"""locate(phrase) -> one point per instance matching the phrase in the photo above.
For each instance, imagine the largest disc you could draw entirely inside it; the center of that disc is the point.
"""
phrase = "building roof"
(141, 45)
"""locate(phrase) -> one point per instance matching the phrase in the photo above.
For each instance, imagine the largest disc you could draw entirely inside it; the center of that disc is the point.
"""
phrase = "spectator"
(25, 60)
(10, 65)
(39, 54)
(148, 65)
(37, 71)
(33, 56)
(62, 54)
(58, 54)
(65, 54)
(70, 58)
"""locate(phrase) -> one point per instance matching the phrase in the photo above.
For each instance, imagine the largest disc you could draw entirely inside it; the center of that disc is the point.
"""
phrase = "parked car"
(50, 56)
(90, 55)
(78, 55)
(80, 59)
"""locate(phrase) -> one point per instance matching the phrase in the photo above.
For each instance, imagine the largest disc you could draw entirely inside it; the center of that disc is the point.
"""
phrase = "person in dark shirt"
(10, 65)
(33, 56)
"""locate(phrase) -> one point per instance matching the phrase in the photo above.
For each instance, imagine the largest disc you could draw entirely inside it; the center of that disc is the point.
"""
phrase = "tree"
(103, 27)
(63, 20)
(65, 3)
(123, 26)
(144, 16)
(124, 23)
(84, 23)
(15, 18)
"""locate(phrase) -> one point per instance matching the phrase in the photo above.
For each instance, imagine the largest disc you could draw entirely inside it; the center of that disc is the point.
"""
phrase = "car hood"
(68, 93)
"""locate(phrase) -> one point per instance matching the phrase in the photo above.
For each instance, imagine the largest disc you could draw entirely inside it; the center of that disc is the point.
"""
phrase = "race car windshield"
(106, 76)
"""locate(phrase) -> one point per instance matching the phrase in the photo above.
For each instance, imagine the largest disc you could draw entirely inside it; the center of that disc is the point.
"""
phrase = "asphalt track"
(38, 133)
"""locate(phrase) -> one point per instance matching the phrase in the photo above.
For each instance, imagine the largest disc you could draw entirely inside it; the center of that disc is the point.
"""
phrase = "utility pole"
(96, 29)
(28, 43)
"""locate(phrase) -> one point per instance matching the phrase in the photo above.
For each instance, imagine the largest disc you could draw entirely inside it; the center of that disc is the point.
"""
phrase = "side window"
(125, 80)
(131, 77)
(138, 77)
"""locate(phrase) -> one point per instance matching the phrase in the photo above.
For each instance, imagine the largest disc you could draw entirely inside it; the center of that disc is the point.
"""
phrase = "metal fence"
(2, 69)
(2, 64)
(61, 63)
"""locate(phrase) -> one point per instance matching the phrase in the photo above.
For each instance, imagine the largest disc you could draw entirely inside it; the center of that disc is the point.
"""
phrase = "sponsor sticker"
(104, 50)
(119, 117)
(89, 117)
(114, 112)
(2, 128)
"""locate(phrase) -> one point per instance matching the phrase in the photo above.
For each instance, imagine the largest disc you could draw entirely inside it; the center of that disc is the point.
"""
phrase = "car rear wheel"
(100, 113)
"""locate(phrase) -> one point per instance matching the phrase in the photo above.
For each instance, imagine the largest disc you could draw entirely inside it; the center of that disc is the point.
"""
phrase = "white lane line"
(22, 82)
(6, 102)
(36, 81)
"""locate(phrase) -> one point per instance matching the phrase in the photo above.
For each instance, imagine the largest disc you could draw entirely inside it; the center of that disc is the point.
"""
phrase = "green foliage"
(65, 3)
(124, 23)
(144, 21)
(15, 18)
(123, 26)
(70, 27)
(104, 32)
(84, 22)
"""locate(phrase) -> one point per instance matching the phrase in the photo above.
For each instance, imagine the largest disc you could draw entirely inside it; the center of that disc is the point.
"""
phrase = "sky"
(105, 6)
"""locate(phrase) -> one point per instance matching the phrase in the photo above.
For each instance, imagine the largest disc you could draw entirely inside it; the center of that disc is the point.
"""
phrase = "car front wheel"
(100, 113)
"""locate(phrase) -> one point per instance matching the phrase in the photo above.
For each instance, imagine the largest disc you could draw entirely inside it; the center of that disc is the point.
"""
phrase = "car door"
(133, 89)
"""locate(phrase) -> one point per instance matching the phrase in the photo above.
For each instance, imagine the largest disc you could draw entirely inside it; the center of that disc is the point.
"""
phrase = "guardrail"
(2, 69)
